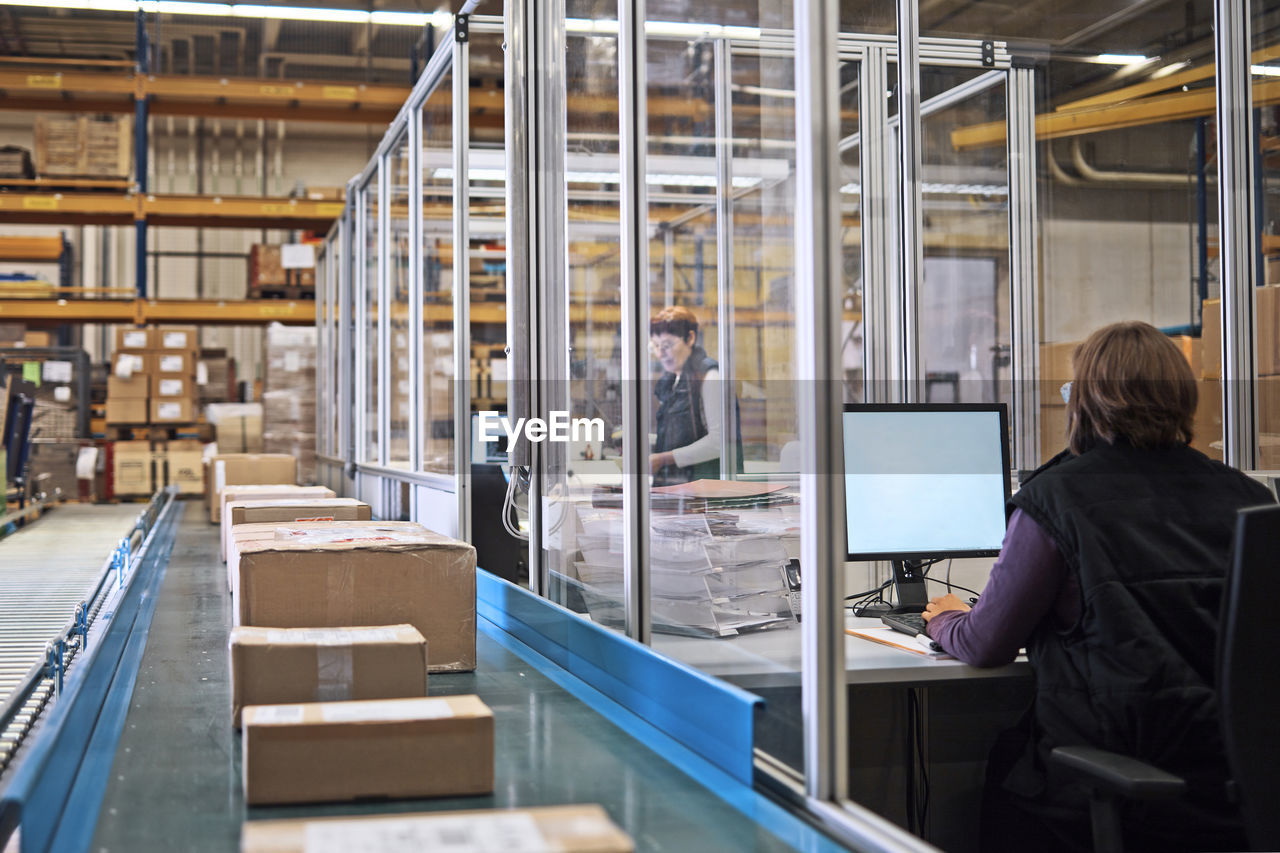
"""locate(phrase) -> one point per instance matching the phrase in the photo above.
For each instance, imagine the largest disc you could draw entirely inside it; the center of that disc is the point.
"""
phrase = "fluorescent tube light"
(1265, 70)
(1119, 58)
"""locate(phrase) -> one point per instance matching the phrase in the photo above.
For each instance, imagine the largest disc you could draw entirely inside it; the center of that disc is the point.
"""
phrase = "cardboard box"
(1266, 332)
(571, 829)
(237, 469)
(1207, 425)
(180, 364)
(393, 748)
(129, 339)
(185, 466)
(172, 411)
(1269, 404)
(128, 364)
(1055, 369)
(270, 492)
(288, 509)
(131, 468)
(1192, 351)
(129, 410)
(1211, 338)
(276, 666)
(136, 387)
(334, 575)
(1053, 431)
(37, 339)
(1268, 451)
(175, 338)
(173, 386)
(240, 434)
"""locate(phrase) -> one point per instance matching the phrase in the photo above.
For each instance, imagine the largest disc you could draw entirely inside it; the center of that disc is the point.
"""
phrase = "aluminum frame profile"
(360, 300)
(880, 347)
(722, 73)
(634, 213)
(1238, 231)
(1023, 263)
(384, 303)
(818, 286)
(417, 376)
(461, 287)
(910, 174)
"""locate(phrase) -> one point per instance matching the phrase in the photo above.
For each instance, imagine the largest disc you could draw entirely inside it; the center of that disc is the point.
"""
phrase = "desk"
(770, 659)
(962, 707)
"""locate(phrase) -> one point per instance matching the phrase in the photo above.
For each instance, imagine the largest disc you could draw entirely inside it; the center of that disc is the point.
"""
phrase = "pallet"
(149, 432)
(295, 292)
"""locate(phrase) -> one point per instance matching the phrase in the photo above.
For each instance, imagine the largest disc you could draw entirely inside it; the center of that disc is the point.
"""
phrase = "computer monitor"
(924, 481)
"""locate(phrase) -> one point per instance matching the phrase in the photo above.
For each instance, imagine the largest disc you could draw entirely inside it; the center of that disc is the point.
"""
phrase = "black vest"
(681, 420)
(1148, 534)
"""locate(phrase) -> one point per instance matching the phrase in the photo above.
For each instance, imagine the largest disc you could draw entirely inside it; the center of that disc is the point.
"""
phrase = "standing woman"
(689, 411)
(1111, 576)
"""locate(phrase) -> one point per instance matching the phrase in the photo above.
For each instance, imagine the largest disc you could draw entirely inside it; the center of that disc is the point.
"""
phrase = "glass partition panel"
(369, 290)
(437, 280)
(400, 394)
(324, 344)
(583, 509)
(1266, 67)
(725, 500)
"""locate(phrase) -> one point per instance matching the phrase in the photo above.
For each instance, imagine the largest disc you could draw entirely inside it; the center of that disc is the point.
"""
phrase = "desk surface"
(772, 659)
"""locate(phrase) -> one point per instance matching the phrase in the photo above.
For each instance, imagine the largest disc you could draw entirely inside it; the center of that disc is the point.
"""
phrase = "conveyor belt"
(175, 778)
(46, 568)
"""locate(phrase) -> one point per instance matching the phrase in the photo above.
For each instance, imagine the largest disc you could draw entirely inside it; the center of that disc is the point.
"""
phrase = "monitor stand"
(909, 584)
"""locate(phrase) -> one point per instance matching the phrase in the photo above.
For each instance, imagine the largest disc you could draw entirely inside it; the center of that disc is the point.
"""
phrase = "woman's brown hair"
(675, 320)
(1131, 382)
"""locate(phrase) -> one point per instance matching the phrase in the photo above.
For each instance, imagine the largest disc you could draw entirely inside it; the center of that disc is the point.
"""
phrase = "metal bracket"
(461, 28)
(988, 54)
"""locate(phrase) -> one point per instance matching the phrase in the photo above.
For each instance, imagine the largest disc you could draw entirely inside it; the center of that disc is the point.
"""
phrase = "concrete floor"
(175, 782)
(46, 568)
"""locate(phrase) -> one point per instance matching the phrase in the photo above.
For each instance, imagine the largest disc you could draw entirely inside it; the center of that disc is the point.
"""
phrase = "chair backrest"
(1247, 686)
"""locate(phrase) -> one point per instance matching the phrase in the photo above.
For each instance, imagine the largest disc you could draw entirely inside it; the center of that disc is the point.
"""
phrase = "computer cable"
(918, 799)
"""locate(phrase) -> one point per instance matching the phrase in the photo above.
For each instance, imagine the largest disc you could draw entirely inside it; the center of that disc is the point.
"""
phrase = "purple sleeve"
(1024, 585)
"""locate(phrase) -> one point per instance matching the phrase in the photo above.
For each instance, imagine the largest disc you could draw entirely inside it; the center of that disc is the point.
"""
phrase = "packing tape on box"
(335, 675)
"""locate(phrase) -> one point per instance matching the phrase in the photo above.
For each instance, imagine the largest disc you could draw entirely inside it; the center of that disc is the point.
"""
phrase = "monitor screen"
(925, 480)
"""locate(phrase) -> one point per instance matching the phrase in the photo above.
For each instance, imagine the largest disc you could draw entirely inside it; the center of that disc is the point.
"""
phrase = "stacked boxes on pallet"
(289, 401)
(83, 146)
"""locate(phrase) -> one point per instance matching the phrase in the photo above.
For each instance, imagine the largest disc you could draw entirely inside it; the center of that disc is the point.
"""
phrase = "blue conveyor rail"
(43, 686)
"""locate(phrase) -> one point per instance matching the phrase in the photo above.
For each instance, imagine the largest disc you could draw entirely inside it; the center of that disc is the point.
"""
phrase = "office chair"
(1247, 702)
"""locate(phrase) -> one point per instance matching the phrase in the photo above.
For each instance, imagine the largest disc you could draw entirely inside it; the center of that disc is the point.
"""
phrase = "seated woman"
(689, 410)
(1110, 576)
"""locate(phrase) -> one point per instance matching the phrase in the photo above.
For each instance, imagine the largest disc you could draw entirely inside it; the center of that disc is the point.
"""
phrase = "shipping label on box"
(127, 364)
(176, 363)
(137, 340)
(364, 573)
(173, 386)
(273, 666)
(568, 829)
(175, 411)
(392, 748)
(176, 338)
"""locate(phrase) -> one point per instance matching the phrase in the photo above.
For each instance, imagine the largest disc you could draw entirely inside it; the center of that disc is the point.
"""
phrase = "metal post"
(1023, 243)
(634, 214)
(418, 377)
(384, 309)
(882, 354)
(1237, 228)
(360, 305)
(909, 170)
(723, 80)
(142, 50)
(345, 313)
(820, 398)
(462, 275)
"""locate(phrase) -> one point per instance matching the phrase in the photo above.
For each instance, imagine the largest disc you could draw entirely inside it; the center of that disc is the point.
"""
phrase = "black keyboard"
(907, 623)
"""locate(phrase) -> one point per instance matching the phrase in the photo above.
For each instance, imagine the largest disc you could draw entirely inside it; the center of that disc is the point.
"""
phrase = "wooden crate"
(84, 146)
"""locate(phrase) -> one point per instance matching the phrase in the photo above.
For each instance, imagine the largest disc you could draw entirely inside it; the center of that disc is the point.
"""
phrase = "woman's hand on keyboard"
(941, 603)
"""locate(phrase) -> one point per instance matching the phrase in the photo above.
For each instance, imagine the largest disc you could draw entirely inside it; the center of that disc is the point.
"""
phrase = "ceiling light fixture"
(1119, 59)
(247, 10)
(1265, 70)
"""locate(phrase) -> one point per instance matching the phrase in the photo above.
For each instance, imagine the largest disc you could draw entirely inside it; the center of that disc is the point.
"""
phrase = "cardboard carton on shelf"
(290, 508)
(184, 464)
(569, 829)
(388, 748)
(175, 364)
(128, 410)
(131, 468)
(136, 387)
(241, 469)
(276, 666)
(338, 574)
(130, 339)
(179, 410)
(128, 364)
